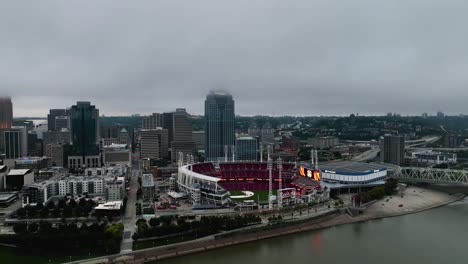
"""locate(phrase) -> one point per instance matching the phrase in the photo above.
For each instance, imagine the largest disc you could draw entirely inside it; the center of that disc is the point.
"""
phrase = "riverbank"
(415, 199)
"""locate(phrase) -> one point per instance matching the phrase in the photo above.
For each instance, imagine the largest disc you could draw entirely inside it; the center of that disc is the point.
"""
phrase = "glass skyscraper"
(219, 125)
(84, 129)
(6, 112)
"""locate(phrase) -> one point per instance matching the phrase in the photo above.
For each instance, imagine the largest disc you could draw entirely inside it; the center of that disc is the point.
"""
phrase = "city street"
(129, 218)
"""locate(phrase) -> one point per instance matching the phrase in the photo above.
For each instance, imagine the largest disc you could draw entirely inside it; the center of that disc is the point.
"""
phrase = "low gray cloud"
(275, 57)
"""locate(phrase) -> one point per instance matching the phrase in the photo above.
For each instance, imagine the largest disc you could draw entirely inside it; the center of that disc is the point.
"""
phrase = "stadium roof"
(350, 166)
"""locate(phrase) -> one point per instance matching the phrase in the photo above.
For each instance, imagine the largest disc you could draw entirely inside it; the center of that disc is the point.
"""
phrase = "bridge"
(431, 175)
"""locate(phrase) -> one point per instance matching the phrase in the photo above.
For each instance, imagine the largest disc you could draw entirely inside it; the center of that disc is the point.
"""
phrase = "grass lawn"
(261, 196)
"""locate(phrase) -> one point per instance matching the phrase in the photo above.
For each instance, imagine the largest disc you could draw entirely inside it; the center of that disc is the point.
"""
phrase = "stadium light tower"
(312, 156)
(270, 185)
(233, 150)
(316, 160)
(280, 184)
(226, 149)
(261, 153)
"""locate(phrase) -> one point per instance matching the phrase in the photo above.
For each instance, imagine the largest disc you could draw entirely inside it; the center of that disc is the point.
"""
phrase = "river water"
(435, 236)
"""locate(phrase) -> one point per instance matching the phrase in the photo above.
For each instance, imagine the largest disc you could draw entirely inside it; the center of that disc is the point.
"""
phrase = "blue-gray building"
(219, 124)
(84, 119)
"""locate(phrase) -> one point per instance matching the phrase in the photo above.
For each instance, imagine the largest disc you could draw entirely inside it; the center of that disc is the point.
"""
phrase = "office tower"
(56, 137)
(168, 123)
(199, 140)
(253, 130)
(84, 128)
(451, 141)
(57, 119)
(219, 124)
(246, 148)
(123, 136)
(15, 142)
(267, 134)
(6, 112)
(393, 149)
(182, 134)
(116, 134)
(152, 122)
(84, 120)
(154, 143)
(35, 148)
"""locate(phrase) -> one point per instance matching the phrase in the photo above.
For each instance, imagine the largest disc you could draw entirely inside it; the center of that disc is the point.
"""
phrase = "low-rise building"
(323, 142)
(16, 179)
(117, 154)
(8, 198)
(433, 157)
(3, 173)
(148, 187)
(115, 188)
(77, 162)
(112, 208)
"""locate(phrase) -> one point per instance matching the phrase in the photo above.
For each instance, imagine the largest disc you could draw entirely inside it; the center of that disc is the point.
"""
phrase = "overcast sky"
(330, 57)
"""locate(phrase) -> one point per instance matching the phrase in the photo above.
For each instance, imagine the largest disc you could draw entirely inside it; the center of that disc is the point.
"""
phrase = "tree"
(154, 222)
(44, 212)
(67, 211)
(82, 203)
(39, 206)
(72, 203)
(51, 205)
(62, 203)
(20, 228)
(21, 212)
(33, 227)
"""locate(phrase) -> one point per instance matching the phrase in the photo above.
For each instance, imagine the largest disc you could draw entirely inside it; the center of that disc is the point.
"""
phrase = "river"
(435, 236)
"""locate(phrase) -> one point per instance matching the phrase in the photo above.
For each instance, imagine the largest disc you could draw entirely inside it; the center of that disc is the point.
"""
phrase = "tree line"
(66, 239)
(379, 192)
(179, 225)
(63, 208)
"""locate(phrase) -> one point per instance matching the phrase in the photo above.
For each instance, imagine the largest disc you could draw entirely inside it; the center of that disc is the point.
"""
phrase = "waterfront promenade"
(415, 199)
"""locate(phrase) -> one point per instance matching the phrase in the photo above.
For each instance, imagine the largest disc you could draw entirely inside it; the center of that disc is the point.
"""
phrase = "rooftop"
(147, 180)
(350, 166)
(18, 172)
(114, 205)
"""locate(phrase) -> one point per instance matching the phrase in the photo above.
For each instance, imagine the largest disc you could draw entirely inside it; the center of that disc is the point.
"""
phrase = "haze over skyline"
(275, 57)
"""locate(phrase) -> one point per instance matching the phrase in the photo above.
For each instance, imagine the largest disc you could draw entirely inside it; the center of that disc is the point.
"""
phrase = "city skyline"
(275, 58)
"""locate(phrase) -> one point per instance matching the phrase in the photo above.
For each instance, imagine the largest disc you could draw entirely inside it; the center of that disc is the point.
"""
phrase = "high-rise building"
(6, 112)
(152, 122)
(154, 143)
(199, 140)
(393, 149)
(57, 119)
(267, 134)
(219, 124)
(35, 148)
(56, 137)
(168, 123)
(84, 128)
(246, 148)
(253, 130)
(451, 141)
(14, 142)
(182, 134)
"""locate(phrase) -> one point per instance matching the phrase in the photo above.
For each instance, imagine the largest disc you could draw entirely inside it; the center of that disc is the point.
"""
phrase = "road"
(367, 155)
(129, 218)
